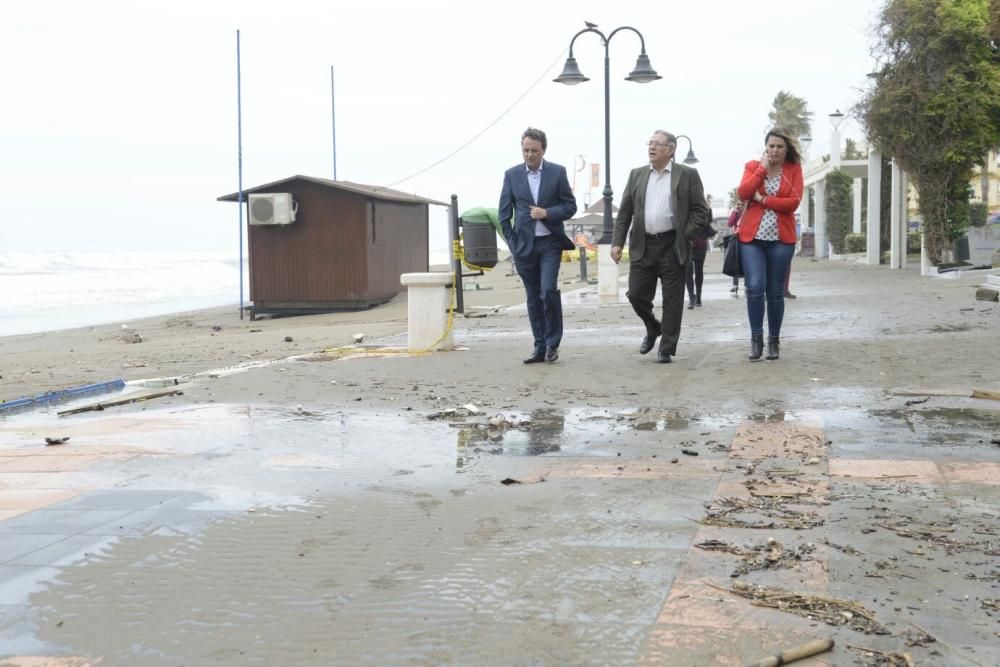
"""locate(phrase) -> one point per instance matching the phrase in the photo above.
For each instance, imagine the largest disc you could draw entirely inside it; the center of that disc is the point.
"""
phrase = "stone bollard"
(427, 302)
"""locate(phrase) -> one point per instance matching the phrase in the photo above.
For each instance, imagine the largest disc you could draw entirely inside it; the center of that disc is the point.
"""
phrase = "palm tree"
(790, 113)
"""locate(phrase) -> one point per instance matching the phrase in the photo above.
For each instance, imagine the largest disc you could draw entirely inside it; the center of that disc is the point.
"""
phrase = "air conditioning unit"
(272, 209)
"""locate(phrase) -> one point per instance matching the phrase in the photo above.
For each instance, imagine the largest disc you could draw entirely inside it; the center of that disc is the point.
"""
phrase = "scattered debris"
(256, 330)
(832, 611)
(689, 452)
(795, 654)
(124, 401)
(917, 401)
(56, 441)
(216, 327)
(847, 549)
(987, 294)
(471, 408)
(769, 556)
(531, 480)
(132, 337)
(885, 658)
(288, 339)
(358, 337)
(720, 511)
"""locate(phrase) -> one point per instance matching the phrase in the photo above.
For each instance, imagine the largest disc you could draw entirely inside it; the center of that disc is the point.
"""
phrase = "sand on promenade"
(324, 510)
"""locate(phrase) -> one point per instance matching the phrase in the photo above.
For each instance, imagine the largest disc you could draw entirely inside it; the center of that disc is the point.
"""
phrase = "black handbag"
(731, 265)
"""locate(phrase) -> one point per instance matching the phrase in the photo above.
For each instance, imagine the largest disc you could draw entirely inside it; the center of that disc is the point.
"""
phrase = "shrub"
(855, 243)
(912, 243)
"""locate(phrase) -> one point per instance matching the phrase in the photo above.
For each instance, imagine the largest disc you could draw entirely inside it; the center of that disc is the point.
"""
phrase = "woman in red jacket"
(773, 186)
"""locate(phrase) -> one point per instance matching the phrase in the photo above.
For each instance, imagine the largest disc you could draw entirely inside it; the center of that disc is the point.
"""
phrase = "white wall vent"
(272, 209)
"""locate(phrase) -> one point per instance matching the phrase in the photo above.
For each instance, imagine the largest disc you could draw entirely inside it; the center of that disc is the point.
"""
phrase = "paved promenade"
(349, 507)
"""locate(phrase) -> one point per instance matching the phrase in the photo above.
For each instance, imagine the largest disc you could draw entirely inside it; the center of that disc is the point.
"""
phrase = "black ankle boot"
(772, 348)
(756, 347)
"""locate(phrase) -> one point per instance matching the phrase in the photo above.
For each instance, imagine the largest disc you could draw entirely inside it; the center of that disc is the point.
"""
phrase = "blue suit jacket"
(554, 195)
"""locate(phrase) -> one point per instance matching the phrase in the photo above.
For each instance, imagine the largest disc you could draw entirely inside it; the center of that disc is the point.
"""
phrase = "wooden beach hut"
(318, 245)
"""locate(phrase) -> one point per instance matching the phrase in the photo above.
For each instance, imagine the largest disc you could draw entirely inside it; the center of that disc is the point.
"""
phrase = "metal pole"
(333, 118)
(607, 224)
(583, 264)
(459, 296)
(239, 160)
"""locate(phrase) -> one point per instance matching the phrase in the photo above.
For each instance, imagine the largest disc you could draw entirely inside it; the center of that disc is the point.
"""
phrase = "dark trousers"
(540, 274)
(658, 263)
(695, 274)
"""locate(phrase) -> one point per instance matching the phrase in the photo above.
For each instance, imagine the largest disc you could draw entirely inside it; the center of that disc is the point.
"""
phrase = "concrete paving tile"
(117, 499)
(18, 582)
(29, 499)
(64, 552)
(7, 514)
(58, 522)
(159, 521)
(894, 469)
(12, 547)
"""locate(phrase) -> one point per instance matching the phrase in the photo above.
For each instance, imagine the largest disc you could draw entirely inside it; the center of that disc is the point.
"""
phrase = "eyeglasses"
(658, 144)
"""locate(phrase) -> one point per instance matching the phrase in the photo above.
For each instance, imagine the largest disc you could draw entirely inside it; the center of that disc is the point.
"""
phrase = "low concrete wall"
(983, 242)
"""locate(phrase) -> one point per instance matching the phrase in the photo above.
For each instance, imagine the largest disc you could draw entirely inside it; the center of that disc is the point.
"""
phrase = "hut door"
(376, 223)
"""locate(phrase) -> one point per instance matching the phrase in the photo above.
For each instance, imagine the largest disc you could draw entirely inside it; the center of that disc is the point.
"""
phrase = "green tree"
(791, 113)
(838, 207)
(851, 151)
(935, 103)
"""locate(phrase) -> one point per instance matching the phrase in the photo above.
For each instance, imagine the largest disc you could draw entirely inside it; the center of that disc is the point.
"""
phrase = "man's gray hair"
(670, 139)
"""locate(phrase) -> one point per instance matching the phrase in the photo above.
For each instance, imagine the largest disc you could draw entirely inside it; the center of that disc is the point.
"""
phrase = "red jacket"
(784, 203)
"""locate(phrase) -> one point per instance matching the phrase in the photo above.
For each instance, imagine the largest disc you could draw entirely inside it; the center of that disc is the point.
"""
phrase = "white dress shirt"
(659, 214)
(534, 182)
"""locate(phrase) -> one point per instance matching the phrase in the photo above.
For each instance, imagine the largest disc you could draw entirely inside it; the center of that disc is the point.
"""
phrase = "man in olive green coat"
(664, 204)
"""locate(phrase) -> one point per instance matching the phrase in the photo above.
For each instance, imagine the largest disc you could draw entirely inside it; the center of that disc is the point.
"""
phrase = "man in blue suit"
(538, 197)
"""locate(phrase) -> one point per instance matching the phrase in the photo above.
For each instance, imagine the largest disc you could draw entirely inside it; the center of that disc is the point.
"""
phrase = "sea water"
(43, 291)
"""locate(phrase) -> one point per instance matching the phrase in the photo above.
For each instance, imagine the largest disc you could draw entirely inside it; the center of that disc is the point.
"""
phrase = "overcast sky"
(118, 125)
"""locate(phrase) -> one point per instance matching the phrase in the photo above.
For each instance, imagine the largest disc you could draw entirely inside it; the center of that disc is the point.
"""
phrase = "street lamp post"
(642, 73)
(690, 159)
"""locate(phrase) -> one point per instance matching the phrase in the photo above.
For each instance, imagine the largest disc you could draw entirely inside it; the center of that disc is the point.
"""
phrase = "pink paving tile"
(778, 439)
(25, 500)
(906, 471)
(45, 661)
(9, 514)
(973, 473)
(670, 644)
(45, 463)
(658, 468)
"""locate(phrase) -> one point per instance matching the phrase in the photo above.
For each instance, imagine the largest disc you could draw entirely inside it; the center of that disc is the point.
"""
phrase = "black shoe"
(647, 343)
(551, 354)
(690, 305)
(772, 348)
(789, 295)
(697, 301)
(662, 358)
(756, 347)
(537, 358)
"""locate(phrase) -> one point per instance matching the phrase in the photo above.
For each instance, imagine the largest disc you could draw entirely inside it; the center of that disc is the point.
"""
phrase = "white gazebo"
(814, 176)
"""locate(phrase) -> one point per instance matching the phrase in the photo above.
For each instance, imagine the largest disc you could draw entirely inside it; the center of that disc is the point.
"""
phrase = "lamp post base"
(607, 274)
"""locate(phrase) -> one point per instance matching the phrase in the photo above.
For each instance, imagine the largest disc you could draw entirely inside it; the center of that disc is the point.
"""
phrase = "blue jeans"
(765, 265)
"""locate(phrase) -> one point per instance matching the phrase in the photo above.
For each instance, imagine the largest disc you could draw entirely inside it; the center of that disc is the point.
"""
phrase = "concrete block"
(987, 294)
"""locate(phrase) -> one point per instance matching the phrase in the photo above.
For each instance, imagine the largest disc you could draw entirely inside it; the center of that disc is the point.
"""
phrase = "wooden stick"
(986, 393)
(794, 654)
(109, 404)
